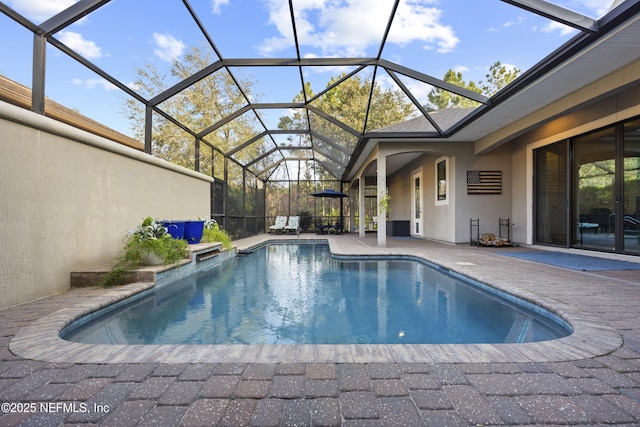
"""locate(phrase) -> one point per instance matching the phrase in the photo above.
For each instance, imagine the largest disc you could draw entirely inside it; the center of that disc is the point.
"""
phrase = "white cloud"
(280, 18)
(415, 21)
(598, 7)
(561, 29)
(419, 90)
(40, 10)
(460, 69)
(519, 20)
(92, 83)
(216, 5)
(168, 47)
(75, 41)
(508, 67)
(351, 27)
(133, 86)
(384, 81)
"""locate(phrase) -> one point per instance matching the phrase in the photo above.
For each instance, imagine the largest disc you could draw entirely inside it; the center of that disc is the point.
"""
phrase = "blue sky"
(430, 36)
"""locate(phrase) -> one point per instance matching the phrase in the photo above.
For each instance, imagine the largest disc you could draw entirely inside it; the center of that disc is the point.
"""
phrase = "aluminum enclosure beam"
(18, 18)
(73, 13)
(557, 13)
(425, 78)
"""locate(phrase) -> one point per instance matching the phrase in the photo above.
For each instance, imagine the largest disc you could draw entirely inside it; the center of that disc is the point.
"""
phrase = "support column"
(196, 159)
(38, 73)
(148, 129)
(382, 192)
(361, 224)
(352, 214)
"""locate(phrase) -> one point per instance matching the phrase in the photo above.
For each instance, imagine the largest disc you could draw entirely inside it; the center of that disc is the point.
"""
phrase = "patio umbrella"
(329, 193)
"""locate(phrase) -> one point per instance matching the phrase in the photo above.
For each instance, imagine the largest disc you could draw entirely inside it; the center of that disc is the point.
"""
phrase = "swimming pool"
(298, 294)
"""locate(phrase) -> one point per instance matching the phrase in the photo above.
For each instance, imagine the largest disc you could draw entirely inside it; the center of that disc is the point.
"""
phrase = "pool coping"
(40, 340)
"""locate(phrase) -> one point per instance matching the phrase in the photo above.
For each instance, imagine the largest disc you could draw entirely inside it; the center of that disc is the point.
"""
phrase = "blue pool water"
(298, 294)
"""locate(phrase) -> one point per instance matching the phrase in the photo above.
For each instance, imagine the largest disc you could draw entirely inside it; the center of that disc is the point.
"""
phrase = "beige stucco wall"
(67, 199)
(605, 112)
(489, 208)
(439, 216)
(510, 150)
(449, 221)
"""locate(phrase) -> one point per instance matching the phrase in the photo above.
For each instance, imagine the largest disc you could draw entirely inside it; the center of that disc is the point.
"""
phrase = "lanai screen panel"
(330, 72)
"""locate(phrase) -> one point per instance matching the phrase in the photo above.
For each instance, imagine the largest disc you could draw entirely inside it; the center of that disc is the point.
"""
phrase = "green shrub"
(212, 233)
(150, 237)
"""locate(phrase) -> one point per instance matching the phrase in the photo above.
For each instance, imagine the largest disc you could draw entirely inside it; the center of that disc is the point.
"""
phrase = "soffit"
(613, 52)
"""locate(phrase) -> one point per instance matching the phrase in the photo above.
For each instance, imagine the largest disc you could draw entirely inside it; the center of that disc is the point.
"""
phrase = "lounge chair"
(280, 224)
(293, 224)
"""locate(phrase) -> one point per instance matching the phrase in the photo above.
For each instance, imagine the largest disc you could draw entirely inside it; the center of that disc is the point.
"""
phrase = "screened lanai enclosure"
(277, 100)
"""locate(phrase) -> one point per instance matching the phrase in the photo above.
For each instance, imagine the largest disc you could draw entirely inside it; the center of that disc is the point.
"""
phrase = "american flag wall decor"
(484, 182)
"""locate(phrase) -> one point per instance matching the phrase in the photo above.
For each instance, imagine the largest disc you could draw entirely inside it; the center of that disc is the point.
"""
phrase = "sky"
(430, 36)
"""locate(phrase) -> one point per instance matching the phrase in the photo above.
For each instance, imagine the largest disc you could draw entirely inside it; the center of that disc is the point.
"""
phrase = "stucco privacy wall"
(69, 197)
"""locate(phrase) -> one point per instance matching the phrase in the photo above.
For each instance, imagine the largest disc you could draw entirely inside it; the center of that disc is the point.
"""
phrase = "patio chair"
(293, 224)
(280, 224)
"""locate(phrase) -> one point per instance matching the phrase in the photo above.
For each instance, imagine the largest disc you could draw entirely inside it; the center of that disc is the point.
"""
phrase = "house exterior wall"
(510, 150)
(400, 191)
(605, 102)
(488, 208)
(439, 219)
(602, 103)
(449, 221)
(606, 111)
(69, 197)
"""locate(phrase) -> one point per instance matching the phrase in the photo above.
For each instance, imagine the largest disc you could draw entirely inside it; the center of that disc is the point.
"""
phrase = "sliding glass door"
(631, 222)
(594, 201)
(551, 190)
(587, 191)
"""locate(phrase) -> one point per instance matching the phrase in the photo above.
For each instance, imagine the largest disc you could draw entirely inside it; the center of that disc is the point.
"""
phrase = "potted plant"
(175, 228)
(193, 230)
(154, 244)
(384, 203)
(148, 244)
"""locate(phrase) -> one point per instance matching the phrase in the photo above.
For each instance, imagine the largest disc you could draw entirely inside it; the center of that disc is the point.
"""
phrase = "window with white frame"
(442, 181)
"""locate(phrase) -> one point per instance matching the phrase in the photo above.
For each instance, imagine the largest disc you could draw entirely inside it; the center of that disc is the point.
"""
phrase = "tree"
(347, 100)
(348, 103)
(197, 107)
(440, 98)
(498, 77)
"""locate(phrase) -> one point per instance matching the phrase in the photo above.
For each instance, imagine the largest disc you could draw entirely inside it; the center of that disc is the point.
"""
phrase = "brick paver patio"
(596, 390)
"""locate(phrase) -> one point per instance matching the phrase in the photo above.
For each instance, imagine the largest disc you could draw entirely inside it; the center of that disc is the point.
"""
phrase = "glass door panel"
(631, 223)
(416, 205)
(551, 194)
(593, 222)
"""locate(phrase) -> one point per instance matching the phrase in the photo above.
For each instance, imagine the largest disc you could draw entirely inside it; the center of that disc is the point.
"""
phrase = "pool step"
(519, 331)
